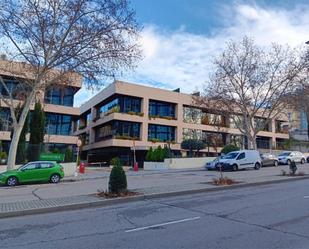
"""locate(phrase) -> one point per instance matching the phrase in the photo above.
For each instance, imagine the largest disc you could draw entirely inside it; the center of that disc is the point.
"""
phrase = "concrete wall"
(187, 163)
(155, 166)
(178, 163)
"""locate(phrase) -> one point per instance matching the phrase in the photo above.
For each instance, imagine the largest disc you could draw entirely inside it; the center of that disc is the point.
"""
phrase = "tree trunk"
(17, 131)
(13, 147)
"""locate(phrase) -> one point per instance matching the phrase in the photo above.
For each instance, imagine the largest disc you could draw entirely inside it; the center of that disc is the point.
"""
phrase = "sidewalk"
(32, 199)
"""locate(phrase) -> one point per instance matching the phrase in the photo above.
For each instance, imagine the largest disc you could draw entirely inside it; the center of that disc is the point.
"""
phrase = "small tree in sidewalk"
(117, 180)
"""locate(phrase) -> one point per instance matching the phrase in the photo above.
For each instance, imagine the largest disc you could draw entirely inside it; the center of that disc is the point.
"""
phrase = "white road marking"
(306, 196)
(162, 224)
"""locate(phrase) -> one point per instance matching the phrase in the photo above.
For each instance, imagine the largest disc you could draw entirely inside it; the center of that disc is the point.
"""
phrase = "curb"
(220, 188)
(99, 203)
(110, 202)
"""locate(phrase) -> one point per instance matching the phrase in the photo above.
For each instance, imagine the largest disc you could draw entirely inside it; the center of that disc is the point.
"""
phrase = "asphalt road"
(270, 216)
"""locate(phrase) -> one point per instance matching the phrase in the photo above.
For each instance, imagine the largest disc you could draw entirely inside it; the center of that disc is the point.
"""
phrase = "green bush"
(115, 162)
(117, 180)
(56, 151)
(68, 157)
(229, 148)
(160, 154)
(149, 155)
(193, 145)
(166, 152)
(3, 155)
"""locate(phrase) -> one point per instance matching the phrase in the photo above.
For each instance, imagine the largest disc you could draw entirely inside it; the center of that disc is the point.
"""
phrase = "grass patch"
(285, 173)
(223, 181)
(108, 195)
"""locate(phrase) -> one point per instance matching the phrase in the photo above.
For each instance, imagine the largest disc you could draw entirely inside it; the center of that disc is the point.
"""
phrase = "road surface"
(270, 216)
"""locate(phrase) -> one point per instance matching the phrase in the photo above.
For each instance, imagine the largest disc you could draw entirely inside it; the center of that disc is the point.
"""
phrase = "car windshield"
(231, 155)
(23, 166)
(285, 154)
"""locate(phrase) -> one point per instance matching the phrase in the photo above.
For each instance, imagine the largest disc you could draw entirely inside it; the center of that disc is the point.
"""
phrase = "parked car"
(240, 160)
(289, 156)
(306, 156)
(212, 165)
(40, 171)
(269, 160)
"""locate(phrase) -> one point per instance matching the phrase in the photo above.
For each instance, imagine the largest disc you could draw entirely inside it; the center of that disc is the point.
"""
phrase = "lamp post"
(79, 143)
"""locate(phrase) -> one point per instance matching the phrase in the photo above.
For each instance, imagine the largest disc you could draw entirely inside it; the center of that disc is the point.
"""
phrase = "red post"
(135, 168)
(82, 168)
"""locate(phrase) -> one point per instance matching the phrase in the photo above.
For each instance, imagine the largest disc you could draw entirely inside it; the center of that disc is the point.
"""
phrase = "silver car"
(212, 164)
(289, 156)
(269, 160)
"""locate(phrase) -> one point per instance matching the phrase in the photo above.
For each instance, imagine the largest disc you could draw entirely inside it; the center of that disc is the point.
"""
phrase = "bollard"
(135, 168)
(82, 168)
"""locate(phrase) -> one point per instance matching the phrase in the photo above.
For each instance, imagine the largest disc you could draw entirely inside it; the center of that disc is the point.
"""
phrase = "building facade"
(57, 102)
(126, 117)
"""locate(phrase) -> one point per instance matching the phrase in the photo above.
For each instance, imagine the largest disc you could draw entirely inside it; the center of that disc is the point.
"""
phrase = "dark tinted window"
(46, 165)
(161, 132)
(30, 166)
(60, 96)
(163, 109)
(241, 156)
(57, 124)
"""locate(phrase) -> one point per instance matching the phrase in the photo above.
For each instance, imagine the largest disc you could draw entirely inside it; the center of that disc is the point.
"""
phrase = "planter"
(155, 166)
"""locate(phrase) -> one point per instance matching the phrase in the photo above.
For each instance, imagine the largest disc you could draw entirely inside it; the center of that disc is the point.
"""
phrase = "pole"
(76, 165)
(134, 155)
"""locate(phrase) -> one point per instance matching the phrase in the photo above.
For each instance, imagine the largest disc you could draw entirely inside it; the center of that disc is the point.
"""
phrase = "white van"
(240, 160)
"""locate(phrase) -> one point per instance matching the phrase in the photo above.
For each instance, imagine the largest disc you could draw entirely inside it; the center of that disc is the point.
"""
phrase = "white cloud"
(183, 59)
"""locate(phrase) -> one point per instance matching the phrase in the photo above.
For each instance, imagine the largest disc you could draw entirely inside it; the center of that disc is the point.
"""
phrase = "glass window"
(161, 109)
(46, 165)
(192, 115)
(263, 142)
(5, 119)
(130, 104)
(60, 96)
(161, 132)
(241, 156)
(30, 166)
(213, 119)
(112, 105)
(262, 124)
(119, 129)
(236, 121)
(127, 129)
(57, 124)
(192, 134)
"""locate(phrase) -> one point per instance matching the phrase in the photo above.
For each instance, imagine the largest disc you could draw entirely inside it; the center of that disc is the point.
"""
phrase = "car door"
(265, 160)
(242, 160)
(299, 156)
(29, 173)
(45, 170)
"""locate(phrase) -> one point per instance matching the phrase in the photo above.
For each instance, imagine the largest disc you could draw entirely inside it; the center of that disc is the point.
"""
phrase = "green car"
(40, 171)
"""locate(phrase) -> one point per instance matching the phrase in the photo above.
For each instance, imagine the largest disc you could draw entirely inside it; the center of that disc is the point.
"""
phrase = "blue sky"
(180, 38)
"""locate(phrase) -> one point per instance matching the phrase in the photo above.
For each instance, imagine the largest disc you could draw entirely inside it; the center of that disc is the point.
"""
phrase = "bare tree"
(300, 101)
(250, 84)
(60, 41)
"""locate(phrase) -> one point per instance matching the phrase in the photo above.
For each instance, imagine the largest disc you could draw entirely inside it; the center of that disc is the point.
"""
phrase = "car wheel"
(12, 181)
(234, 167)
(257, 166)
(303, 161)
(55, 178)
(276, 163)
(288, 162)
